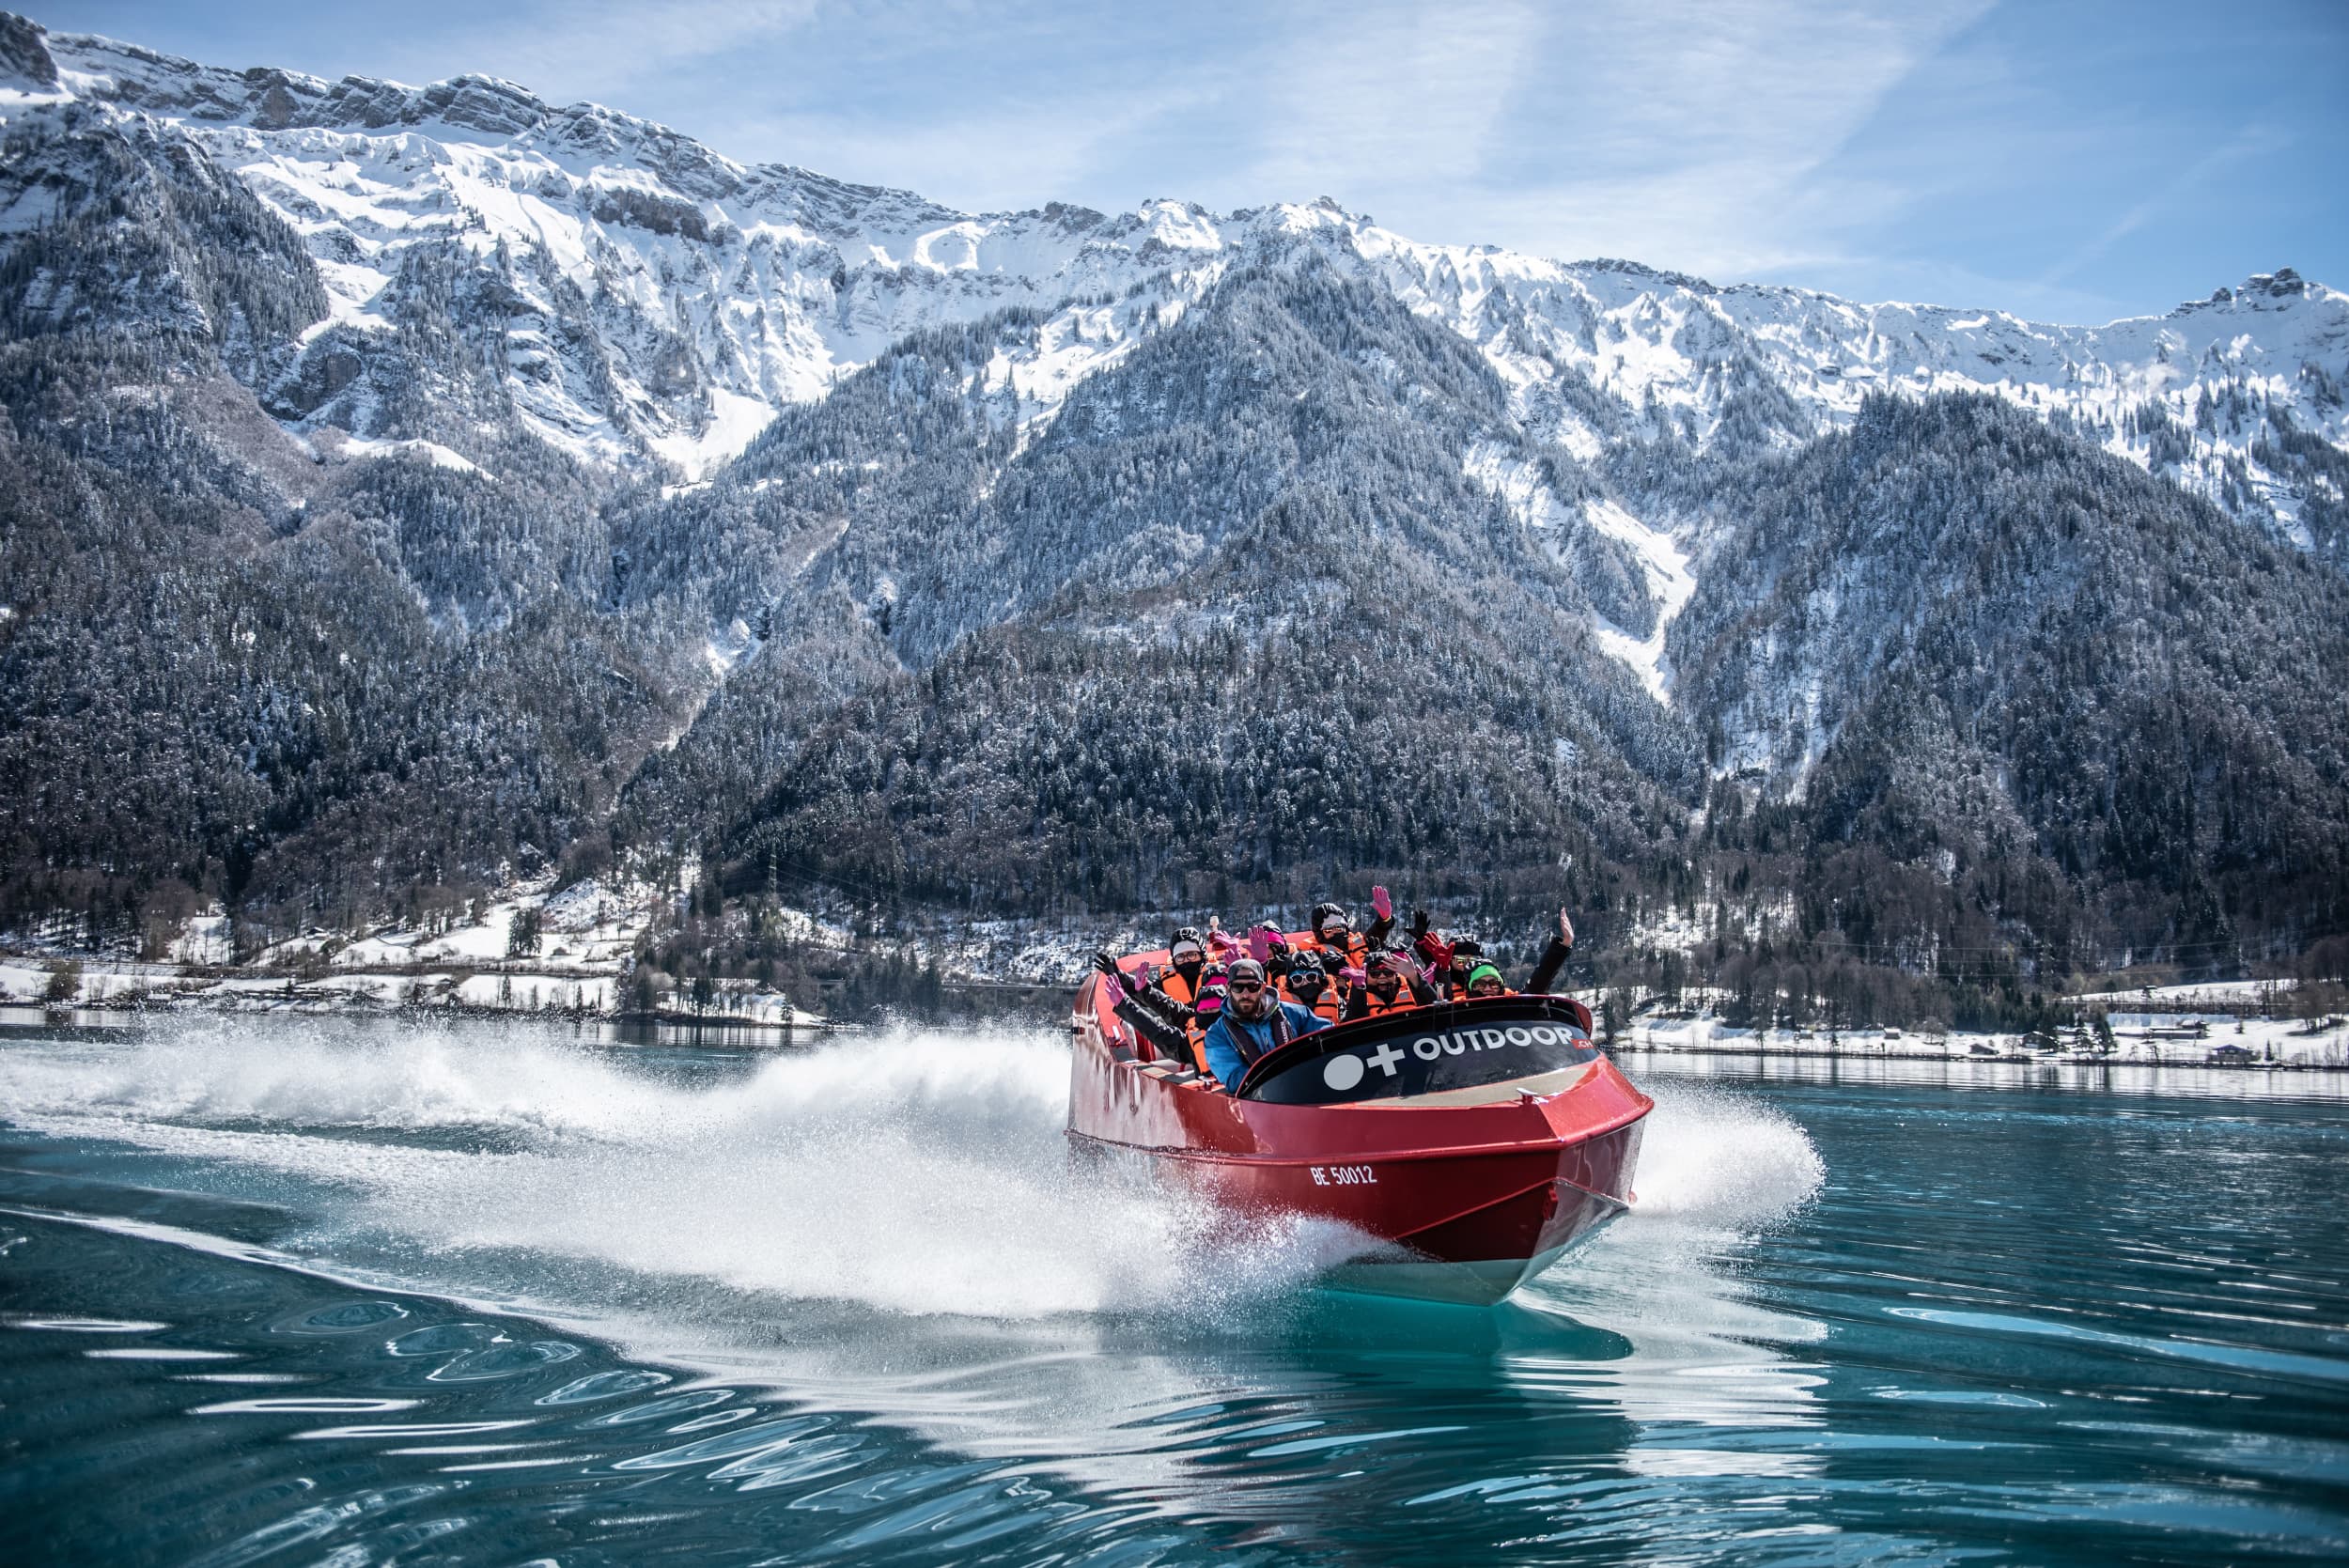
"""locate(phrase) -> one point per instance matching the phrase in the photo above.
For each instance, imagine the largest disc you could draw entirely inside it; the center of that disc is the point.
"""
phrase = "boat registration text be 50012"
(1345, 1176)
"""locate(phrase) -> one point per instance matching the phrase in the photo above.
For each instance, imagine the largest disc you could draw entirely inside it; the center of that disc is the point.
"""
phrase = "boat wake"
(918, 1172)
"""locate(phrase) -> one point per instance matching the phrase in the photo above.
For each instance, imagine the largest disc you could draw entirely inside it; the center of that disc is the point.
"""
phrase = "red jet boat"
(1470, 1143)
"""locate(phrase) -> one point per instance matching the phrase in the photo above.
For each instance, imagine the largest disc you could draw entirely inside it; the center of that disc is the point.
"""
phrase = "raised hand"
(1565, 926)
(1382, 905)
(1419, 924)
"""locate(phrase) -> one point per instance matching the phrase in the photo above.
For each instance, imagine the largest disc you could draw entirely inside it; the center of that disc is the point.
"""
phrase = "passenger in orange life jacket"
(1187, 954)
(1213, 994)
(1303, 981)
(1335, 941)
(1140, 1007)
(1156, 1018)
(1175, 996)
(1381, 988)
(1450, 959)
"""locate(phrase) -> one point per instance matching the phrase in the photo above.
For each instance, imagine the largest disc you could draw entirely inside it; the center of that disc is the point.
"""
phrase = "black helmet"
(1186, 934)
(1466, 947)
(1306, 963)
(1322, 913)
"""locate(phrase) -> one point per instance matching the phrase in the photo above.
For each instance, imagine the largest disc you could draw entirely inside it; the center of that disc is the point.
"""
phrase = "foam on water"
(1714, 1158)
(918, 1171)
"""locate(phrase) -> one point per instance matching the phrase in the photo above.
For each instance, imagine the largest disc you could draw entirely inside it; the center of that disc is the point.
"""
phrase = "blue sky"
(2068, 160)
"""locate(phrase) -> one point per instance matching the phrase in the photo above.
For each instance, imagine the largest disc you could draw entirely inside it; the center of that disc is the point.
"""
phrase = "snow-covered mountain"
(652, 298)
(492, 482)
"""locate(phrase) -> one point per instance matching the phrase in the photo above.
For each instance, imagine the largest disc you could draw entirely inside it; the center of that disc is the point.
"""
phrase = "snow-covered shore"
(533, 949)
(2145, 1038)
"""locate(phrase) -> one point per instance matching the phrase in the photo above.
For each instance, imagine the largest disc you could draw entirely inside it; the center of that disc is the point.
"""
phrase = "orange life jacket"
(1171, 981)
(1352, 954)
(1374, 1008)
(1329, 1006)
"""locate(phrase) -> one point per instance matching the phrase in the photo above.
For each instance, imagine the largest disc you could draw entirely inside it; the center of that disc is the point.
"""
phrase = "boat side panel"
(1470, 1206)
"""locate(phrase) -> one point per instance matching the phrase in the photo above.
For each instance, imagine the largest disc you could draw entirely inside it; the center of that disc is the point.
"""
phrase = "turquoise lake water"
(280, 1292)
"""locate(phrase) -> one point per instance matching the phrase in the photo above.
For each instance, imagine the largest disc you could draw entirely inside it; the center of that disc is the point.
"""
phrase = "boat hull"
(1458, 1196)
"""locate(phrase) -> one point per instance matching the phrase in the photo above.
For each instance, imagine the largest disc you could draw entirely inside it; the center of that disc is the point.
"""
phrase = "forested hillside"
(360, 555)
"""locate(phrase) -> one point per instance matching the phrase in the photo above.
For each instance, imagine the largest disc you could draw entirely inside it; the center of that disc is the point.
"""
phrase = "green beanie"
(1479, 972)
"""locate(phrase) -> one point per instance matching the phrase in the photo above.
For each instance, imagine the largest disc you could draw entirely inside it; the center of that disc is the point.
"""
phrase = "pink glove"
(1381, 903)
(1353, 976)
(1260, 940)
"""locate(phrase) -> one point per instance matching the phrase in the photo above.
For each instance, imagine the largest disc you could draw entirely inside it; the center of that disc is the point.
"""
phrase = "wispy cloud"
(1366, 96)
(2249, 142)
(1695, 132)
(602, 49)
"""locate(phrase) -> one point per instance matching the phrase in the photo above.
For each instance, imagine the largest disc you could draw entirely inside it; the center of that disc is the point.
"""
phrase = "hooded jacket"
(1234, 1044)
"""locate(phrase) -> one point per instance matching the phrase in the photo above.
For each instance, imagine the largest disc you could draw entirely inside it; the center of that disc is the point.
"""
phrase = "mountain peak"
(22, 54)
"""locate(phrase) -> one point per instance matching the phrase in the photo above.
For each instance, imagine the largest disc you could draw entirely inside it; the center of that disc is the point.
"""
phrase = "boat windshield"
(1426, 1050)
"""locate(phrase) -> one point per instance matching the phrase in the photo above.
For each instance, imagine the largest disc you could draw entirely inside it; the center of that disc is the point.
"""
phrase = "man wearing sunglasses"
(1390, 984)
(1255, 1021)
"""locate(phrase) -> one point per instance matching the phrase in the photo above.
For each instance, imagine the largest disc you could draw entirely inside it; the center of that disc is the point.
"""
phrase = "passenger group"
(1221, 1002)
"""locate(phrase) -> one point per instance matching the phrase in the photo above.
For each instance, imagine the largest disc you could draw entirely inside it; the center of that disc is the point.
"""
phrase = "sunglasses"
(1240, 987)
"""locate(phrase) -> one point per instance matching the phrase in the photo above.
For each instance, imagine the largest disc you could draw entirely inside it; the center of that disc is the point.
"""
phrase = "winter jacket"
(1166, 1040)
(1554, 958)
(1234, 1044)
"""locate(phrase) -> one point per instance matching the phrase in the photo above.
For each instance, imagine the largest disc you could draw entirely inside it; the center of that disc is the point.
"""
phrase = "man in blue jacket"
(1254, 1022)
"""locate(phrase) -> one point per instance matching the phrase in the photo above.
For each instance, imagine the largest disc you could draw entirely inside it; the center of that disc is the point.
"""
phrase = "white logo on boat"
(1345, 1070)
(1342, 1073)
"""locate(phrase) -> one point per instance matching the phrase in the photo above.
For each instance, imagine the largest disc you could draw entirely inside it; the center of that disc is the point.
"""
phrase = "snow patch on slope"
(1520, 486)
(1669, 579)
(355, 448)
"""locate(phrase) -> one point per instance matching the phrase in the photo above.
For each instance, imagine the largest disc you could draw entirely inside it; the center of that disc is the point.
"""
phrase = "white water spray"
(916, 1172)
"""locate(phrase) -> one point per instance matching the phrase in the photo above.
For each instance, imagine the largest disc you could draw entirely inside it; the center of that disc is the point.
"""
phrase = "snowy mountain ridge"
(495, 487)
(659, 301)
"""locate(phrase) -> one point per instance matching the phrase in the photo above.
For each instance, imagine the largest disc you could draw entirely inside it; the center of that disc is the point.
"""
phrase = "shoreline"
(2325, 1052)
